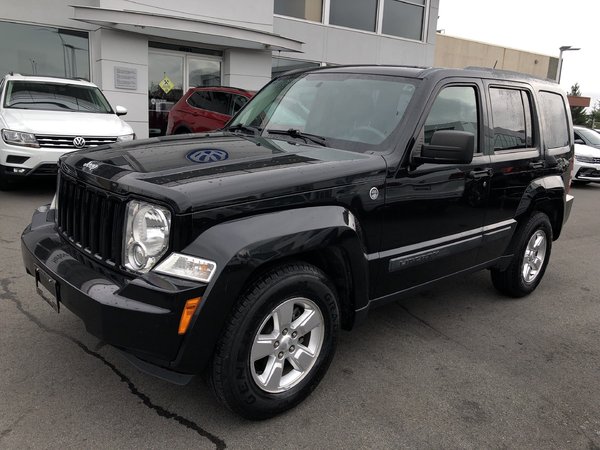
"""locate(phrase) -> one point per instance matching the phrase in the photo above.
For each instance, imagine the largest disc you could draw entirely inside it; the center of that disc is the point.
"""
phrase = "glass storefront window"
(301, 9)
(39, 50)
(282, 65)
(170, 75)
(404, 19)
(361, 15)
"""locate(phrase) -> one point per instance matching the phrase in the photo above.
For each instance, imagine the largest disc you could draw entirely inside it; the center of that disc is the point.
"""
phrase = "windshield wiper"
(245, 129)
(293, 132)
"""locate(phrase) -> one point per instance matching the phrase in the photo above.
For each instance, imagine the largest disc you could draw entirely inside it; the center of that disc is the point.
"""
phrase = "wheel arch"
(326, 236)
(547, 195)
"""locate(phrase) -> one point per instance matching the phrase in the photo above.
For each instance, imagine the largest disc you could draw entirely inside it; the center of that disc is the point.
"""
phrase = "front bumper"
(583, 171)
(138, 315)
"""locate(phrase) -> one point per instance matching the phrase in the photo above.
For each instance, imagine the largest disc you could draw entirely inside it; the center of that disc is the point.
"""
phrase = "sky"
(538, 26)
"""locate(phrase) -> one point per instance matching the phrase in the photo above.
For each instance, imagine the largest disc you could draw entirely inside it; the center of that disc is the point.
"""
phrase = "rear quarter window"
(555, 120)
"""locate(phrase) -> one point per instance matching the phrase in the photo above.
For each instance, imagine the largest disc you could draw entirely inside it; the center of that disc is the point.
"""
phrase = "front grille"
(66, 142)
(587, 159)
(91, 219)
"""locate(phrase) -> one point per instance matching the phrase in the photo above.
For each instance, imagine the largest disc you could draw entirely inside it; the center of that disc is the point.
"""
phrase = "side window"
(554, 115)
(211, 101)
(455, 108)
(236, 103)
(511, 115)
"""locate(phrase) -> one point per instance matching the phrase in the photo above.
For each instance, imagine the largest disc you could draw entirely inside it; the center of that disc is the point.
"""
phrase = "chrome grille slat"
(50, 141)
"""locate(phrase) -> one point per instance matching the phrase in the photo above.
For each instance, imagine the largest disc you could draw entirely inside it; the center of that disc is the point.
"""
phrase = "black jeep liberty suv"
(243, 252)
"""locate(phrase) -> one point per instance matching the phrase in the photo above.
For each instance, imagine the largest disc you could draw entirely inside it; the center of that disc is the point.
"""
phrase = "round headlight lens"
(150, 227)
(146, 235)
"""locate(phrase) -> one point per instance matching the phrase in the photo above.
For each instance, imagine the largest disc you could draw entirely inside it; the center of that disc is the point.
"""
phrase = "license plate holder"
(47, 288)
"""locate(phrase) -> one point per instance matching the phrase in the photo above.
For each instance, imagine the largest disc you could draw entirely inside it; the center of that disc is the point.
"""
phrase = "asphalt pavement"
(458, 366)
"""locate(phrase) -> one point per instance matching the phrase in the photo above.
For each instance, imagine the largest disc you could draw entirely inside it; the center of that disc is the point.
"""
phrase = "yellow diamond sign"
(166, 84)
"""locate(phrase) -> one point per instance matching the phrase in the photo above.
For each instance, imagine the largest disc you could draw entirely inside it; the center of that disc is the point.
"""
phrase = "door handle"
(537, 165)
(478, 174)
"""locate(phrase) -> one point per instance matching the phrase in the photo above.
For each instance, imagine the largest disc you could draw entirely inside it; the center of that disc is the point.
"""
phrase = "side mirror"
(120, 110)
(448, 147)
(580, 141)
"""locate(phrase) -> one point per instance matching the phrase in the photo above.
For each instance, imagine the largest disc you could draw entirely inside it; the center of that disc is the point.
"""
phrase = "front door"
(434, 213)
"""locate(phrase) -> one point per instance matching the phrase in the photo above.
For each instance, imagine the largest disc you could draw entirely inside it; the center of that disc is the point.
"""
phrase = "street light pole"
(564, 48)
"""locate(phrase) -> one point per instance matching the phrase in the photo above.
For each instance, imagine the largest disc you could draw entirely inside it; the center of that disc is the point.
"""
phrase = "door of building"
(170, 75)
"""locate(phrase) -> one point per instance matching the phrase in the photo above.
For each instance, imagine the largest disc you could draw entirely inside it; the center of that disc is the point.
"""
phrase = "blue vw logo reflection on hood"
(207, 155)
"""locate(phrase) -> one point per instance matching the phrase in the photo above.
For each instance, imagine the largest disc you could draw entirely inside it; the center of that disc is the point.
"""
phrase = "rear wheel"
(533, 244)
(278, 343)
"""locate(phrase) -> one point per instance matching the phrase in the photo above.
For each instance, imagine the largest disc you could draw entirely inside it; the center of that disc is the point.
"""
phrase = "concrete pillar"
(128, 53)
(246, 69)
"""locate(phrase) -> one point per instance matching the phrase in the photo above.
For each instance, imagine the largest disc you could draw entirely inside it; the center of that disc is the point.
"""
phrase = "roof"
(48, 79)
(432, 72)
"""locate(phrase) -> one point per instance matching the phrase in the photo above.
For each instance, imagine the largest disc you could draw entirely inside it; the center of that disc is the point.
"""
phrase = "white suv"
(42, 118)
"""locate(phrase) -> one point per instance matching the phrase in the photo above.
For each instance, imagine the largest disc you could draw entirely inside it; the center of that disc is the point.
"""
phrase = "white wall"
(114, 48)
(246, 69)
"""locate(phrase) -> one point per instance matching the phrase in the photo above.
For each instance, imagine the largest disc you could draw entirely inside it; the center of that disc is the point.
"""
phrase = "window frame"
(481, 122)
(378, 20)
(535, 124)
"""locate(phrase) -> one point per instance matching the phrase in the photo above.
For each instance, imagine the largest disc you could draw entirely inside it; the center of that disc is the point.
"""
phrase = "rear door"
(210, 110)
(514, 144)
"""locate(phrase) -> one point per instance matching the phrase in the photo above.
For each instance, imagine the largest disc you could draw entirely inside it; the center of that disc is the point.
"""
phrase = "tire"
(533, 245)
(239, 373)
(182, 131)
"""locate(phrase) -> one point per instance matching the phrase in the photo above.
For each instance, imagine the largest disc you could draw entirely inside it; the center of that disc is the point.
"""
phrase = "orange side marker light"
(188, 311)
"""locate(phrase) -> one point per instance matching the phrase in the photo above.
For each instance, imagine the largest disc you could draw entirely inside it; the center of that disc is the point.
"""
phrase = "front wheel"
(533, 244)
(278, 343)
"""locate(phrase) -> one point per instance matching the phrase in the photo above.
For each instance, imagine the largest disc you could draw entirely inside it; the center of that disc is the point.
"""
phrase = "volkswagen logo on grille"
(207, 155)
(79, 142)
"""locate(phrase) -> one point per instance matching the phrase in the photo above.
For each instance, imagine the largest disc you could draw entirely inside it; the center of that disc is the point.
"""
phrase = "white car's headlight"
(188, 267)
(126, 137)
(146, 235)
(20, 138)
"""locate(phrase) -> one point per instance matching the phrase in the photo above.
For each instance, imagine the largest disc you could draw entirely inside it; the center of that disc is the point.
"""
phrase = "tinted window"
(302, 9)
(55, 97)
(554, 115)
(589, 136)
(455, 108)
(353, 14)
(237, 102)
(511, 115)
(211, 101)
(404, 19)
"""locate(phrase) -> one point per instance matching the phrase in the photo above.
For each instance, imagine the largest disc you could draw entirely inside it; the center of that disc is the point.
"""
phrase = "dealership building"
(144, 54)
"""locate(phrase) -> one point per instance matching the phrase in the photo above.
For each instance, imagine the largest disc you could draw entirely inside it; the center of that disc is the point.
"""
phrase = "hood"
(68, 123)
(586, 150)
(202, 172)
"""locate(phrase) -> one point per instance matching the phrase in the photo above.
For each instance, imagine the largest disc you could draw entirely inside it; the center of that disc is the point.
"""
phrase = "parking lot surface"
(458, 366)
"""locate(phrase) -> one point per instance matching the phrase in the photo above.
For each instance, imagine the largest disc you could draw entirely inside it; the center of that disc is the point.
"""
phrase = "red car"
(206, 109)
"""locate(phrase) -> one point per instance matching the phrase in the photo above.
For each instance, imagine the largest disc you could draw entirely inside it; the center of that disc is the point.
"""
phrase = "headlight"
(146, 235)
(20, 138)
(188, 267)
(126, 137)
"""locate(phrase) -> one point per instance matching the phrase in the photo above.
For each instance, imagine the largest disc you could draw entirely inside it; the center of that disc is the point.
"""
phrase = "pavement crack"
(431, 327)
(162, 412)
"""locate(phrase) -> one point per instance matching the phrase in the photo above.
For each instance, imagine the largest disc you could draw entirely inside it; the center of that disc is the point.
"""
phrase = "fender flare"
(540, 194)
(241, 247)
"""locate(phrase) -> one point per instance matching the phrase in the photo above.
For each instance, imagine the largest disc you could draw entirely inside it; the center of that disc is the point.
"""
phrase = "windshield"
(592, 136)
(351, 111)
(55, 97)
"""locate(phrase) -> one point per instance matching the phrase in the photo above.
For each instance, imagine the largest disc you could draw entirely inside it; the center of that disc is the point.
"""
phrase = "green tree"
(578, 112)
(594, 117)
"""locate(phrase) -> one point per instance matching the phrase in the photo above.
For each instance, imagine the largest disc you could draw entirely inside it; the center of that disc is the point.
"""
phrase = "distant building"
(456, 52)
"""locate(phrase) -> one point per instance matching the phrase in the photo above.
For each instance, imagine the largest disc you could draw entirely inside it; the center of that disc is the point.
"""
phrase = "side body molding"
(242, 246)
